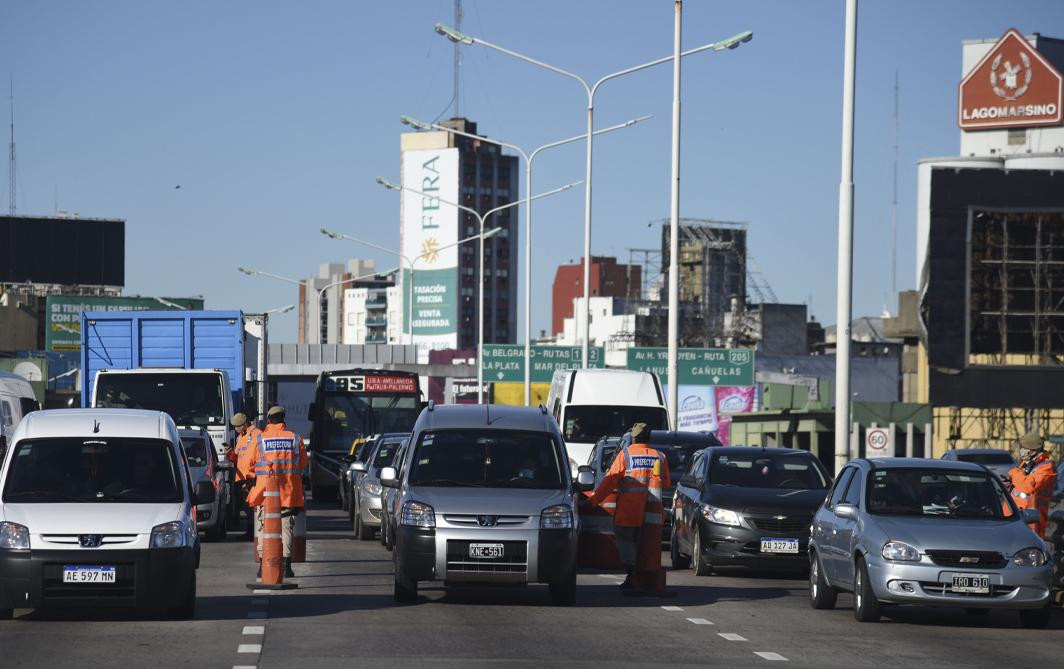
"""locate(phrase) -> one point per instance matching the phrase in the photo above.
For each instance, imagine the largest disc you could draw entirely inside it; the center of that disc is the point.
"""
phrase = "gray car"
(485, 496)
(203, 465)
(366, 485)
(998, 461)
(930, 532)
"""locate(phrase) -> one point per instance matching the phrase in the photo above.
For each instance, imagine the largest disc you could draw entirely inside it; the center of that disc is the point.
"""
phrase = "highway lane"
(343, 613)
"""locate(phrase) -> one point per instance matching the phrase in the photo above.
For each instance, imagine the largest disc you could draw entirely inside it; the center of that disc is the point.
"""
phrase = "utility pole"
(11, 153)
(894, 204)
(674, 225)
(457, 57)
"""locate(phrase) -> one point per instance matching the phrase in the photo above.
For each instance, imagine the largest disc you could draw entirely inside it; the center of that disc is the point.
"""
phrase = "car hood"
(1005, 536)
(752, 500)
(90, 517)
(505, 502)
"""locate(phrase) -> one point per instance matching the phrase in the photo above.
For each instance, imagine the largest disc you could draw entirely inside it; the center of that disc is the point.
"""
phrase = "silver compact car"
(203, 465)
(927, 532)
(485, 496)
(366, 488)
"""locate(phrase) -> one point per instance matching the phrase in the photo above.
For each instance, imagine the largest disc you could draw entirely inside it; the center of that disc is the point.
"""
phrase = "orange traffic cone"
(649, 578)
(299, 537)
(272, 558)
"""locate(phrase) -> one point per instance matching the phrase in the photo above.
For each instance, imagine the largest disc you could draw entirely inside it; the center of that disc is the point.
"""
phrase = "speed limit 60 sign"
(879, 443)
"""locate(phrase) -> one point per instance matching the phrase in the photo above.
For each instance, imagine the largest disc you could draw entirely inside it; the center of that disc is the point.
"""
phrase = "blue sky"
(274, 118)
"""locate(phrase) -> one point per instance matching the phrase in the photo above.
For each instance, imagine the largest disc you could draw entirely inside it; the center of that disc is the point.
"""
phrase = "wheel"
(351, 511)
(698, 561)
(217, 532)
(563, 593)
(384, 535)
(865, 604)
(358, 526)
(186, 610)
(1035, 618)
(821, 595)
(405, 590)
(7, 614)
(390, 541)
(365, 532)
(679, 560)
(976, 612)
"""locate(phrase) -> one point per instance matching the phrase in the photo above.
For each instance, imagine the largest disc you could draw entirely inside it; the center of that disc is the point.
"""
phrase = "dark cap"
(640, 433)
(275, 410)
(238, 420)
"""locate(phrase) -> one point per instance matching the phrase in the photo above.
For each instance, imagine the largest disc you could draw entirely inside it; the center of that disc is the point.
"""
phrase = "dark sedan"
(746, 506)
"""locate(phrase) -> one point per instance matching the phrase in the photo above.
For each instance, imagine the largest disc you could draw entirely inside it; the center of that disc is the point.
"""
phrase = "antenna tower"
(457, 56)
(11, 153)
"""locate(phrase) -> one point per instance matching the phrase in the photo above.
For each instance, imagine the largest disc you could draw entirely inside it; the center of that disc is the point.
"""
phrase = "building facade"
(608, 279)
(374, 314)
(321, 299)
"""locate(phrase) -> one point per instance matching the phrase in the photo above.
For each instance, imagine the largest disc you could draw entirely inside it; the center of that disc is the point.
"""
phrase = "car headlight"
(371, 487)
(899, 551)
(418, 514)
(559, 517)
(169, 535)
(14, 536)
(1028, 557)
(720, 516)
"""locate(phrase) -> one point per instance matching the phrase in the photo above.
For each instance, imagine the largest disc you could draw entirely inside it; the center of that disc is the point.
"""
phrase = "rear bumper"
(146, 578)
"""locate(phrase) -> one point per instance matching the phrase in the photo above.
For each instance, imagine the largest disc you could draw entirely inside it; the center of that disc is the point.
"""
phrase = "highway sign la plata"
(698, 366)
(505, 363)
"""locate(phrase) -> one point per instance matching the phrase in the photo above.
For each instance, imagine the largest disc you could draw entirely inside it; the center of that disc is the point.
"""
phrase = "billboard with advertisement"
(428, 233)
(62, 321)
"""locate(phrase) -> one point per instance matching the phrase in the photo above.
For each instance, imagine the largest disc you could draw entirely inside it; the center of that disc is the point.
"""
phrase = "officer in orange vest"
(242, 455)
(637, 476)
(280, 452)
(1032, 481)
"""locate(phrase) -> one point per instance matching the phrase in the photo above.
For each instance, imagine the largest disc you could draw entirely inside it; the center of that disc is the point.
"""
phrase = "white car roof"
(167, 370)
(95, 423)
(614, 386)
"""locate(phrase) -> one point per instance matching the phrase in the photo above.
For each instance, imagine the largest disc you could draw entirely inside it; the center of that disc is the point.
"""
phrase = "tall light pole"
(480, 279)
(590, 89)
(845, 274)
(410, 263)
(302, 282)
(674, 224)
(528, 158)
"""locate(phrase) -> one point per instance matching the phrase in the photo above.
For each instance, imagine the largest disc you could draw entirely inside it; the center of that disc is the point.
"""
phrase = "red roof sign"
(1012, 86)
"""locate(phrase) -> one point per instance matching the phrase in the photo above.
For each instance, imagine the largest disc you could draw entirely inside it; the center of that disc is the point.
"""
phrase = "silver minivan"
(485, 496)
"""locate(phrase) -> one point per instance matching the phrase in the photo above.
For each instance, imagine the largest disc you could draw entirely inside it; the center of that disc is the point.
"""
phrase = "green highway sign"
(506, 362)
(698, 366)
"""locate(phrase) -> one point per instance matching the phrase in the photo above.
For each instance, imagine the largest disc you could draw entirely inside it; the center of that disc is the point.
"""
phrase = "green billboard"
(62, 320)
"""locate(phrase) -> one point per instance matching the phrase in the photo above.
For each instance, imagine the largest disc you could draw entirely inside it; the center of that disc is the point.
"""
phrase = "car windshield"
(797, 470)
(92, 470)
(937, 492)
(588, 423)
(385, 454)
(1001, 458)
(679, 457)
(195, 451)
(189, 398)
(487, 459)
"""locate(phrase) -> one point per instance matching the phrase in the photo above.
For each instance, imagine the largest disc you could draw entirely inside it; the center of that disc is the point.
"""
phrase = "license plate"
(89, 574)
(978, 584)
(485, 551)
(779, 546)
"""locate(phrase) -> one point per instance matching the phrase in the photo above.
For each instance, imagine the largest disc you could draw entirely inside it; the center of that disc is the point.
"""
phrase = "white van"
(16, 400)
(593, 403)
(96, 509)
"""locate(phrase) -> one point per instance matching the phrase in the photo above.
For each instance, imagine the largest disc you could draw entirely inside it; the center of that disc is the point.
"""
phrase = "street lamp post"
(480, 279)
(590, 89)
(528, 158)
(410, 262)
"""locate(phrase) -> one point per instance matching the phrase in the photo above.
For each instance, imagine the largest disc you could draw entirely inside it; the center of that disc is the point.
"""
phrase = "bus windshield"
(347, 416)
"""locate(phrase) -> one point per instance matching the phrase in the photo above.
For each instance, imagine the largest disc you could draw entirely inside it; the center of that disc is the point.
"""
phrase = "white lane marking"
(254, 629)
(244, 666)
(672, 608)
(249, 648)
(699, 621)
(259, 602)
(731, 636)
(257, 615)
(766, 655)
(607, 575)
(261, 592)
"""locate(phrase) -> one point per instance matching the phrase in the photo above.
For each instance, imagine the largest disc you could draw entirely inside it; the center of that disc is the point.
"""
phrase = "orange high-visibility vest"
(1035, 490)
(245, 453)
(638, 475)
(281, 453)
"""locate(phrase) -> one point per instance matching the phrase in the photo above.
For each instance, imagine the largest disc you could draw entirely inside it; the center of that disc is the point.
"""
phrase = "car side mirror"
(358, 466)
(1030, 516)
(389, 477)
(585, 479)
(845, 510)
(203, 493)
